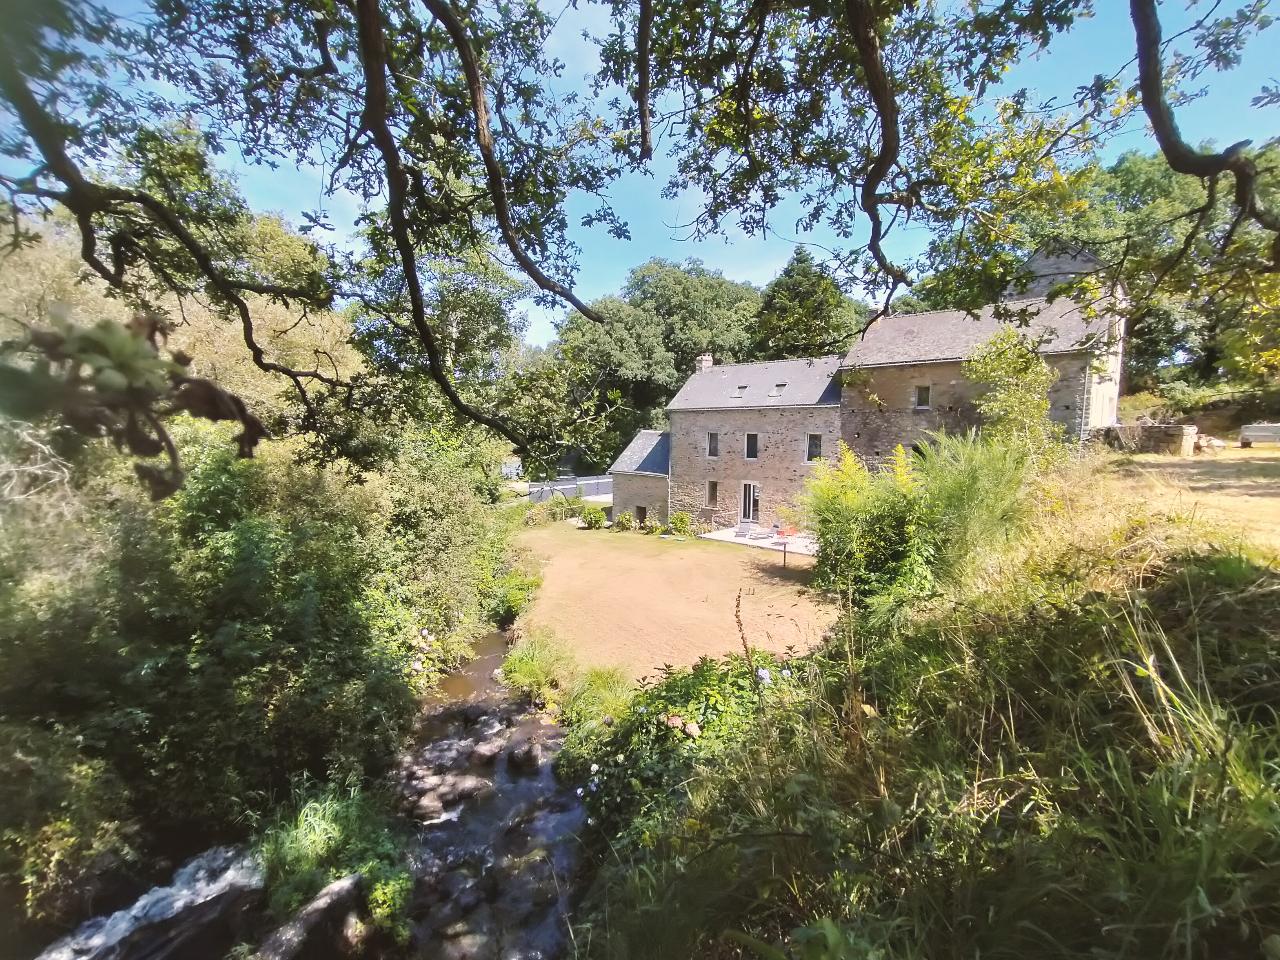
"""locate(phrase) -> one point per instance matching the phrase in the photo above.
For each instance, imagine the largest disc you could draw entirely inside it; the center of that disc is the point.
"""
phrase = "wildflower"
(591, 821)
(579, 791)
(595, 785)
(595, 768)
(643, 709)
(764, 676)
(786, 674)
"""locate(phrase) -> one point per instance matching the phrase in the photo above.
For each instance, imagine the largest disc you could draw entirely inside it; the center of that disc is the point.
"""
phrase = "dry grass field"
(638, 602)
(1237, 490)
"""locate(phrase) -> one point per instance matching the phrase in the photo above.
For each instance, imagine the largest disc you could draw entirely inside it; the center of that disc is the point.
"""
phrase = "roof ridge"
(925, 313)
(761, 363)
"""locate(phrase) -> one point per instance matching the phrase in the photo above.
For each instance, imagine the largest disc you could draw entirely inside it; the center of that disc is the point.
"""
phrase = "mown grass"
(1067, 746)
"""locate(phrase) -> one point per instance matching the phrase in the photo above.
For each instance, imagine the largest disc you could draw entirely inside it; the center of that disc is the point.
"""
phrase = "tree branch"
(862, 23)
(373, 59)
(441, 10)
(644, 34)
(85, 199)
(1181, 156)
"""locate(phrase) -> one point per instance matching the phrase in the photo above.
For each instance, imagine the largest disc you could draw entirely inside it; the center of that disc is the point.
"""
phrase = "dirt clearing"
(638, 602)
(1237, 490)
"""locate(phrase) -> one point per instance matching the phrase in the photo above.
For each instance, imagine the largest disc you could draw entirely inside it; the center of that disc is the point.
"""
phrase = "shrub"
(565, 508)
(537, 514)
(681, 524)
(1015, 406)
(624, 521)
(889, 535)
(593, 517)
(651, 525)
(511, 593)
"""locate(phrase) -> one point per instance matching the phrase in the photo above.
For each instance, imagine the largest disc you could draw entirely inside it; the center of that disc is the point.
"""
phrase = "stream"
(495, 859)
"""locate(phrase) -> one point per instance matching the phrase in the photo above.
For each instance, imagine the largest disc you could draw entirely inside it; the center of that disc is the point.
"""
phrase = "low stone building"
(640, 477)
(744, 437)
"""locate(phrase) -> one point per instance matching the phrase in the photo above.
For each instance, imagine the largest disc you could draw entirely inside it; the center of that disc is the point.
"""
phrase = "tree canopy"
(448, 122)
(804, 313)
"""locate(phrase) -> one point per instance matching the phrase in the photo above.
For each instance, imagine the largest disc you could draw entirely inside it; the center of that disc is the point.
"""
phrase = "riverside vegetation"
(242, 661)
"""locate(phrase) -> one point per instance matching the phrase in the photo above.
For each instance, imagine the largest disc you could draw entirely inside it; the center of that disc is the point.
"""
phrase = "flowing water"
(495, 856)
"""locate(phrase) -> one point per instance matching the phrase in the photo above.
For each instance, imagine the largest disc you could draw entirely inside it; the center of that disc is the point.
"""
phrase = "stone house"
(744, 437)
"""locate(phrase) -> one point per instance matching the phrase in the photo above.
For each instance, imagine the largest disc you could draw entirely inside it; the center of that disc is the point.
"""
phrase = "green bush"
(624, 521)
(681, 524)
(594, 517)
(889, 535)
(651, 526)
(566, 508)
(267, 621)
(1015, 405)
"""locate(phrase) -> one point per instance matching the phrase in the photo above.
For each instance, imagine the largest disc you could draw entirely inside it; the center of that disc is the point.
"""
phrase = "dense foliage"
(173, 667)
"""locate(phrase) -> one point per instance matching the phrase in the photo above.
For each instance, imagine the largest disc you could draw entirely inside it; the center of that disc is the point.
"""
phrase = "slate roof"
(955, 335)
(809, 382)
(648, 452)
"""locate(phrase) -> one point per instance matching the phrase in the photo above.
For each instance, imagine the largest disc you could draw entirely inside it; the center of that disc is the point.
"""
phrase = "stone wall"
(877, 406)
(780, 467)
(1171, 438)
(631, 490)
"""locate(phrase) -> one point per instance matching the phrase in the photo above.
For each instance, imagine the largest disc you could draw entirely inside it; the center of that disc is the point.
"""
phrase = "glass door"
(751, 502)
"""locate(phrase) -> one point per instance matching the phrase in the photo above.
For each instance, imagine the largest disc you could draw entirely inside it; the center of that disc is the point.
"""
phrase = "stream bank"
(495, 856)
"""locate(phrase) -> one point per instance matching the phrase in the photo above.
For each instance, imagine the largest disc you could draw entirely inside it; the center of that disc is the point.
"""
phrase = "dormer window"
(777, 389)
(739, 391)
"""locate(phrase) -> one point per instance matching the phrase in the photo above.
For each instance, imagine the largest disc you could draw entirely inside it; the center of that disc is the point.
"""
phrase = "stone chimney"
(704, 362)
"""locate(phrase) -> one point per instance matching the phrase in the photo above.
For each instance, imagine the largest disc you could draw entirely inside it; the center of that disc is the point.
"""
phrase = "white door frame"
(754, 502)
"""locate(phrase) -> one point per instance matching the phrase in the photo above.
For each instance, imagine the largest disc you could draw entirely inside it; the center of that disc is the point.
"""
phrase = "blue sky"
(1098, 45)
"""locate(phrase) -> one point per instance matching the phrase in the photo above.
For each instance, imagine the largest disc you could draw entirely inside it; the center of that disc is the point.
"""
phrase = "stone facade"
(878, 411)
(634, 490)
(780, 467)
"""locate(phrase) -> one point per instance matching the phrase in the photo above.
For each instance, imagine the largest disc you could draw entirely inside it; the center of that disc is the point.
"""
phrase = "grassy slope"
(1072, 752)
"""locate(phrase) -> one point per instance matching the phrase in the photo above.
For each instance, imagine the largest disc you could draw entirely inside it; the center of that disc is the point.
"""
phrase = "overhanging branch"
(1181, 156)
(453, 25)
